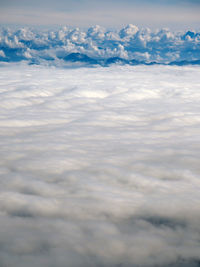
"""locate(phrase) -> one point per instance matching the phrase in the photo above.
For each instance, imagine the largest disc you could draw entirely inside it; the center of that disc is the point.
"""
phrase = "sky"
(177, 14)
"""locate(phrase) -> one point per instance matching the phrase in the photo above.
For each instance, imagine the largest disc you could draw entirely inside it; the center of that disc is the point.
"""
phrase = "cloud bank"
(98, 46)
(98, 167)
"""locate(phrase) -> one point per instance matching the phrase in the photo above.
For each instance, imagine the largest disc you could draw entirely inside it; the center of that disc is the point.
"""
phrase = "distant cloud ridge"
(97, 45)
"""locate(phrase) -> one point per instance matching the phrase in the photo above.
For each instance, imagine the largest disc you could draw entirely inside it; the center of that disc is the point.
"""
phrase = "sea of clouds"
(99, 166)
(99, 46)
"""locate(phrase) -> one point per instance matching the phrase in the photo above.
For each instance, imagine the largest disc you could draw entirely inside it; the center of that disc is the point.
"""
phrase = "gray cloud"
(98, 167)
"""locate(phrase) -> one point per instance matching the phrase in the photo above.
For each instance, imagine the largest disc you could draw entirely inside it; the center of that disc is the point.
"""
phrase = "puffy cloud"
(100, 45)
(98, 167)
(144, 57)
(128, 31)
(96, 32)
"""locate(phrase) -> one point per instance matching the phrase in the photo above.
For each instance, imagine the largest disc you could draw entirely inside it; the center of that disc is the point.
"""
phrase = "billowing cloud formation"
(98, 167)
(130, 45)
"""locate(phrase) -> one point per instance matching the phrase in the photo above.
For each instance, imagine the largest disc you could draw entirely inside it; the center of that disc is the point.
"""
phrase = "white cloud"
(53, 47)
(99, 166)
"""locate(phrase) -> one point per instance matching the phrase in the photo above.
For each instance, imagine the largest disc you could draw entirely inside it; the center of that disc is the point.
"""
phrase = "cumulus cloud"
(98, 167)
(99, 46)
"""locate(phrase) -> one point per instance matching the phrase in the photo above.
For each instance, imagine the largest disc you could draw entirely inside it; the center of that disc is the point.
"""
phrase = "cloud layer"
(97, 45)
(98, 167)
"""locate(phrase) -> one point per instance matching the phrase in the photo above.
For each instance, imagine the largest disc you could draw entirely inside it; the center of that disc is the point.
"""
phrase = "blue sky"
(174, 14)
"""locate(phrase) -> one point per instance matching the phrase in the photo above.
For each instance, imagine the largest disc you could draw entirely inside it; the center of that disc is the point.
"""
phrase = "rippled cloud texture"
(98, 167)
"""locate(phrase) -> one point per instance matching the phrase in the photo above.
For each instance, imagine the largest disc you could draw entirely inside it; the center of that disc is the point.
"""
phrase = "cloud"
(97, 45)
(99, 167)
